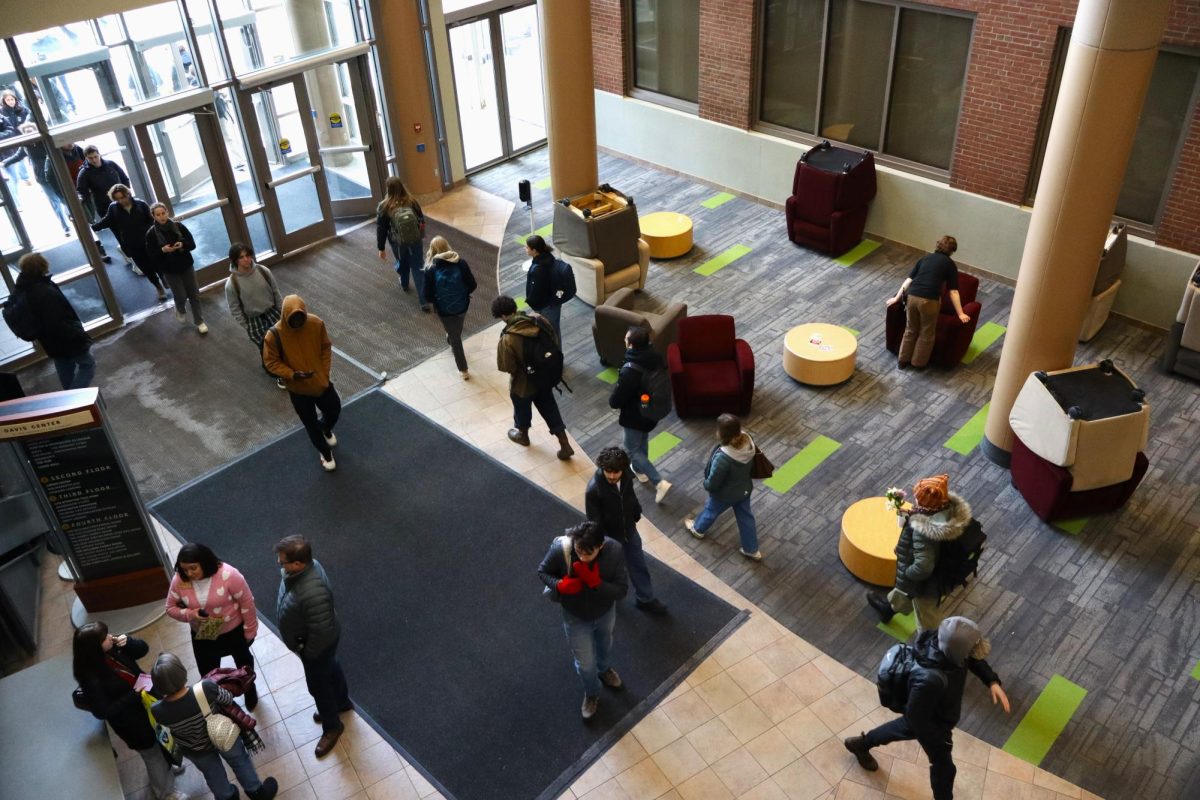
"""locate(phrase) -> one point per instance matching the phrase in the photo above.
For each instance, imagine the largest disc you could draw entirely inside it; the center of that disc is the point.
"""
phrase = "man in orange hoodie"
(297, 350)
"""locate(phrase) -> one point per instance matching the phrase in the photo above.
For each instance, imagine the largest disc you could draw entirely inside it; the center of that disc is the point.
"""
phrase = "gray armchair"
(616, 314)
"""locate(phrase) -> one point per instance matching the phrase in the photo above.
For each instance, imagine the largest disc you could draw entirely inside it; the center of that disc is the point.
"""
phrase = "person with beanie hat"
(935, 690)
(939, 516)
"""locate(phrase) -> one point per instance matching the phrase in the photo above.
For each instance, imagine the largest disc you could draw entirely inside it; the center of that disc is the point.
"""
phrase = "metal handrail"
(293, 176)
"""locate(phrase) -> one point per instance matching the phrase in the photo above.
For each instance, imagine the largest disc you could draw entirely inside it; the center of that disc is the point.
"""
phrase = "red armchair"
(712, 371)
(1047, 487)
(953, 337)
(831, 193)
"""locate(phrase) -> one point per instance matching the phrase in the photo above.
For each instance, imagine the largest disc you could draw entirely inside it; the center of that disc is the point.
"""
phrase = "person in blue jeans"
(58, 328)
(611, 503)
(400, 222)
(540, 291)
(728, 483)
(640, 360)
(584, 571)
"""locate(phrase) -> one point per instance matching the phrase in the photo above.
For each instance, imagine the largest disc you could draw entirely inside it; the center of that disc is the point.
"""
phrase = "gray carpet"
(1113, 609)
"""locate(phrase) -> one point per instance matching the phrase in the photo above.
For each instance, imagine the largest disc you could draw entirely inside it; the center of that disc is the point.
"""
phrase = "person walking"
(297, 350)
(170, 245)
(73, 154)
(95, 177)
(640, 360)
(43, 173)
(610, 502)
(448, 285)
(944, 656)
(180, 711)
(215, 601)
(13, 114)
(399, 221)
(729, 485)
(939, 516)
(584, 571)
(106, 668)
(924, 289)
(309, 627)
(541, 293)
(253, 298)
(52, 322)
(520, 328)
(130, 220)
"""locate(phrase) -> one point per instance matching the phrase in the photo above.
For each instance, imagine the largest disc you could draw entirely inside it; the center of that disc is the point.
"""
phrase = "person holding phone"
(170, 245)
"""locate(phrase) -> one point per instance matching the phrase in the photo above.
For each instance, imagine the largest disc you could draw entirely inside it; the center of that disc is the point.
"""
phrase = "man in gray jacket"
(253, 298)
(308, 626)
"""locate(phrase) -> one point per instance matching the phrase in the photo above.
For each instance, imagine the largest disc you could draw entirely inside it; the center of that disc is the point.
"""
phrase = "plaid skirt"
(257, 327)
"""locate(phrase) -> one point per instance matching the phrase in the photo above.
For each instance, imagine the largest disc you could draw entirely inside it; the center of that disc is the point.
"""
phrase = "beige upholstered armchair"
(595, 280)
(616, 314)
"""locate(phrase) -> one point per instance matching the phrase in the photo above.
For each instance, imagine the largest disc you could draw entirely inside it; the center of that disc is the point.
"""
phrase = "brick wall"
(608, 46)
(726, 61)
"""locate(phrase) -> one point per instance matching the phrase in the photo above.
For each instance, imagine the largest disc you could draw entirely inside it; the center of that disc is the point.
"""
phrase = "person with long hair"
(253, 298)
(129, 219)
(111, 681)
(400, 221)
(540, 292)
(728, 483)
(170, 245)
(448, 285)
(214, 599)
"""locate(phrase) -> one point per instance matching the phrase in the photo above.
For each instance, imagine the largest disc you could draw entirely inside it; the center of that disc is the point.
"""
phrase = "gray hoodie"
(728, 475)
(251, 295)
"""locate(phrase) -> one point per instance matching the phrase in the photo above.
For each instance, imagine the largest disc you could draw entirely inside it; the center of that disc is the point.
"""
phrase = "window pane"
(206, 38)
(523, 76)
(235, 145)
(860, 41)
(666, 53)
(211, 235)
(931, 67)
(86, 299)
(261, 33)
(260, 238)
(10, 346)
(475, 90)
(1164, 115)
(792, 62)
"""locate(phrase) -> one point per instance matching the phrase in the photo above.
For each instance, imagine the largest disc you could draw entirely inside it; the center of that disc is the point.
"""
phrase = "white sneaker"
(755, 556)
(331, 439)
(203, 328)
(690, 524)
(180, 316)
(661, 491)
(329, 465)
(136, 271)
(642, 478)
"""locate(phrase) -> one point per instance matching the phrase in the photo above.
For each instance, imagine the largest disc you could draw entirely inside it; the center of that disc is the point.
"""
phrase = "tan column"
(310, 34)
(406, 87)
(1113, 48)
(566, 30)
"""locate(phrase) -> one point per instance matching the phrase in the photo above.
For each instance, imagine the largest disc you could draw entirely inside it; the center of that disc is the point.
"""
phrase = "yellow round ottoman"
(867, 545)
(819, 354)
(669, 234)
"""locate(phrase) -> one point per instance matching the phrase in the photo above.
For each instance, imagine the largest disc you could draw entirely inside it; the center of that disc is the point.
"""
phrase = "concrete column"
(566, 30)
(1114, 44)
(310, 33)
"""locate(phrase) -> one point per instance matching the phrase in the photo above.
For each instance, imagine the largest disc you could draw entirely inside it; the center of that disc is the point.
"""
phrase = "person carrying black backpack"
(448, 285)
(39, 311)
(929, 690)
(549, 284)
(639, 410)
(530, 353)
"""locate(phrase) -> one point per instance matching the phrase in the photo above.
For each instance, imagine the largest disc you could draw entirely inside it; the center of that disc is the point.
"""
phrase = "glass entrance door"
(347, 137)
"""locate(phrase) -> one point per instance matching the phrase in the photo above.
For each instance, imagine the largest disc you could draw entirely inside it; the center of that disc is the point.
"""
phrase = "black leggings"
(210, 651)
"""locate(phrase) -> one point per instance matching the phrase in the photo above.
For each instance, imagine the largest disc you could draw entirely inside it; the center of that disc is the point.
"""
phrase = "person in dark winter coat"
(939, 516)
(170, 245)
(584, 571)
(112, 682)
(540, 291)
(97, 176)
(640, 359)
(309, 627)
(448, 285)
(935, 690)
(59, 331)
(610, 502)
(728, 483)
(43, 173)
(130, 220)
(13, 114)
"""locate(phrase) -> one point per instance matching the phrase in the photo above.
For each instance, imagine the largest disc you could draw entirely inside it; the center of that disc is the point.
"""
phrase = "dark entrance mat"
(449, 647)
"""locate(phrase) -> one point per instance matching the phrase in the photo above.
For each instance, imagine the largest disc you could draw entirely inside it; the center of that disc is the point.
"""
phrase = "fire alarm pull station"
(416, 127)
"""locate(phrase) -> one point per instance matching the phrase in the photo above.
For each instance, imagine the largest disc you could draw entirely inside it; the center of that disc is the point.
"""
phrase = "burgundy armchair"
(712, 371)
(953, 336)
(1047, 487)
(831, 193)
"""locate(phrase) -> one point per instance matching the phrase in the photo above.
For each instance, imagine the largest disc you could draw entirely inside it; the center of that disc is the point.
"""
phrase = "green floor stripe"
(1045, 720)
(609, 375)
(856, 333)
(1071, 526)
(544, 183)
(1196, 671)
(900, 626)
(970, 435)
(543, 231)
(717, 200)
(661, 445)
(799, 465)
(983, 338)
(723, 260)
(860, 251)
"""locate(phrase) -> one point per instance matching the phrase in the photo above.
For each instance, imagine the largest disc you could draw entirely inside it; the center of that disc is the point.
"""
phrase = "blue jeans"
(409, 260)
(591, 643)
(547, 406)
(213, 770)
(747, 527)
(553, 313)
(635, 564)
(637, 444)
(327, 685)
(76, 371)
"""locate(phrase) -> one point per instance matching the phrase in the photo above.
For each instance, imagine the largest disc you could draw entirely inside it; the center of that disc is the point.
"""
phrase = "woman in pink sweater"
(215, 600)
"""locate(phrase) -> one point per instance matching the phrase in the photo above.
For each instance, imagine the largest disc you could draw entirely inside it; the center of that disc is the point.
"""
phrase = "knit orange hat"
(932, 494)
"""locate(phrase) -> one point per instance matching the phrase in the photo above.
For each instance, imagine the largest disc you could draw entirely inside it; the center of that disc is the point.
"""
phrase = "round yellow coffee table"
(669, 234)
(867, 545)
(819, 354)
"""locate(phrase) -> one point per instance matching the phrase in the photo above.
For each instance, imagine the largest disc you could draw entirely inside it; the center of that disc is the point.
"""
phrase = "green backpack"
(405, 226)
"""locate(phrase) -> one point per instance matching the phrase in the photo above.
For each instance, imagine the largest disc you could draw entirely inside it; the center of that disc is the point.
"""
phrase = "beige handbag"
(222, 731)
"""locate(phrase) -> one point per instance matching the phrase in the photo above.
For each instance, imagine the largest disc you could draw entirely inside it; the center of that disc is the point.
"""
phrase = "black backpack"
(562, 281)
(19, 317)
(896, 670)
(654, 391)
(543, 357)
(958, 559)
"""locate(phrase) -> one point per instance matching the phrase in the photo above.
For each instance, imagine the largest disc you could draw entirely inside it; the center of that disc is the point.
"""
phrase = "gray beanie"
(168, 673)
(960, 638)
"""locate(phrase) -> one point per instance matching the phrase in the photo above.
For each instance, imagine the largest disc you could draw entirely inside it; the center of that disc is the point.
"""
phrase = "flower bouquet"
(894, 499)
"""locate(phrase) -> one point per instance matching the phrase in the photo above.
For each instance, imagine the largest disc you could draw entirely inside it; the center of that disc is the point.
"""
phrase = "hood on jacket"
(947, 524)
(645, 357)
(27, 279)
(294, 304)
(743, 454)
(959, 639)
(233, 270)
(520, 324)
(450, 257)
